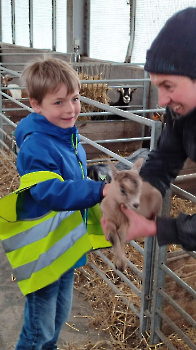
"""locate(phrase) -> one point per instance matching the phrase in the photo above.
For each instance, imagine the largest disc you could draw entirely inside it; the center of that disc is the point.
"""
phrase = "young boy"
(49, 144)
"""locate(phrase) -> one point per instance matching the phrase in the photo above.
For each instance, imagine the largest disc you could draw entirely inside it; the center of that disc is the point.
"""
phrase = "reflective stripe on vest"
(40, 250)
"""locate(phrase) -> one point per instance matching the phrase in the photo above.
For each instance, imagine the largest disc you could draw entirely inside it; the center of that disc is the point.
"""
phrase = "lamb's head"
(126, 185)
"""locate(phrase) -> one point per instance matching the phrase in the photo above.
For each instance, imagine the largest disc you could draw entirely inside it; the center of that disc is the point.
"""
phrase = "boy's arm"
(68, 195)
(54, 194)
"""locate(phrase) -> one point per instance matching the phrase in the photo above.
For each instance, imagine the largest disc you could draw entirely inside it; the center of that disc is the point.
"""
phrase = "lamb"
(127, 188)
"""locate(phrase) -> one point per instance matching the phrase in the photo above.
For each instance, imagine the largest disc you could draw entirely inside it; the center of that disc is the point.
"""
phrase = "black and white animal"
(102, 171)
(125, 97)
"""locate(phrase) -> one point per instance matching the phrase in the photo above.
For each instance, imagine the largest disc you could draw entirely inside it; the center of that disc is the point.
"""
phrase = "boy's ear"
(35, 105)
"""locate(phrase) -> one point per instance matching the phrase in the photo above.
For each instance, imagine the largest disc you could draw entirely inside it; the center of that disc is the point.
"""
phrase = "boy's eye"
(58, 103)
(75, 99)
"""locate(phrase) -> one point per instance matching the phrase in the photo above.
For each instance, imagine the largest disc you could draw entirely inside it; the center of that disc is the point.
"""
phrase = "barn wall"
(112, 72)
(12, 58)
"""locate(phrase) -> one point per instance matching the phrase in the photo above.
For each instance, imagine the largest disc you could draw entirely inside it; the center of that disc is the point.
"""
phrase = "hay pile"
(111, 315)
(97, 92)
(9, 180)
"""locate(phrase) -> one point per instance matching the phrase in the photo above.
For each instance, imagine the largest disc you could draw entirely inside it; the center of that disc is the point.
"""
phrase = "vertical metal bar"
(132, 31)
(159, 279)
(146, 83)
(147, 280)
(156, 130)
(157, 301)
(13, 21)
(149, 252)
(86, 27)
(31, 23)
(54, 25)
(144, 102)
(70, 28)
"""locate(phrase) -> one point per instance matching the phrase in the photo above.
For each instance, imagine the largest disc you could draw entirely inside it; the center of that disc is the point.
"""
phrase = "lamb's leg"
(118, 245)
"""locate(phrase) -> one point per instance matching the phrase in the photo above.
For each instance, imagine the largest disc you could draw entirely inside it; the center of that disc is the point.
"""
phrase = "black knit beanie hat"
(173, 51)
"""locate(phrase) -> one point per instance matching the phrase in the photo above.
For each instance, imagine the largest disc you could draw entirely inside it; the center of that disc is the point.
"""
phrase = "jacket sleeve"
(73, 193)
(68, 195)
(165, 162)
(181, 231)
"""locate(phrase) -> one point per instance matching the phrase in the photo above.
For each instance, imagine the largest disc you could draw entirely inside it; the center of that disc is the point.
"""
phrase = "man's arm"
(165, 162)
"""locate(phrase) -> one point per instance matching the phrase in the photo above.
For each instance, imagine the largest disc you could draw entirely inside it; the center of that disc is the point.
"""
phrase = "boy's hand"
(106, 189)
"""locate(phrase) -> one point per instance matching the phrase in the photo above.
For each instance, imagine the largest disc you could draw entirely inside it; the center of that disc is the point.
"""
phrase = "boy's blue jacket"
(46, 147)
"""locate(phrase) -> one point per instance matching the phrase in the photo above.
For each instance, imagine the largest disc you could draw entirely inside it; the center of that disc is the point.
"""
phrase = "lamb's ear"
(137, 165)
(113, 169)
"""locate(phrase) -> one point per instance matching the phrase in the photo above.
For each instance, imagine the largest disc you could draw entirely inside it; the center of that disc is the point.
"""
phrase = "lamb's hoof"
(120, 268)
(121, 265)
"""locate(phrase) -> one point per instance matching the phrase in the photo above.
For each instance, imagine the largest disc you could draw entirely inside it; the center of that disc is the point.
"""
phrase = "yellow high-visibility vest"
(40, 250)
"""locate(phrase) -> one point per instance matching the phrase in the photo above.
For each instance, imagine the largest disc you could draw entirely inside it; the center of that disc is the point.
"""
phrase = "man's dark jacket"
(176, 144)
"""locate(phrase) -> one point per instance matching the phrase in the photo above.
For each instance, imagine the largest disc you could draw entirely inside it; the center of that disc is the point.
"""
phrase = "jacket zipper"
(75, 146)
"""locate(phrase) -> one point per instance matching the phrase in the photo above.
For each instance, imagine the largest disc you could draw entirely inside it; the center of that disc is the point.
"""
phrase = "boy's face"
(59, 108)
(177, 92)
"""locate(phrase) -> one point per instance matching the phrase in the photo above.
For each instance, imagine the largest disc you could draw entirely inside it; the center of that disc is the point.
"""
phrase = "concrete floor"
(11, 313)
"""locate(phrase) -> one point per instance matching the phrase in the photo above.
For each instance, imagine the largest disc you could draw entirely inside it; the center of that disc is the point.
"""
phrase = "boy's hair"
(46, 74)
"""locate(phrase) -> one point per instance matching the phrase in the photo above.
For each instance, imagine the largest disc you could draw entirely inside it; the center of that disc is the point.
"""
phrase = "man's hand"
(139, 226)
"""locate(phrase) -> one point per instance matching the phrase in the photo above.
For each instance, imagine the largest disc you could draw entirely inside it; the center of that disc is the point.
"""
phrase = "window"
(150, 18)
(61, 26)
(42, 24)
(109, 29)
(6, 21)
(22, 22)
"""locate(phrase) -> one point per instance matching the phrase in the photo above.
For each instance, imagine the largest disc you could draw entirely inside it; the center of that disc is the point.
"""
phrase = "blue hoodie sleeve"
(75, 193)
(68, 195)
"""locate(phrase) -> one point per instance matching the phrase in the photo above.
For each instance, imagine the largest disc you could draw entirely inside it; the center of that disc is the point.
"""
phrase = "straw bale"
(97, 92)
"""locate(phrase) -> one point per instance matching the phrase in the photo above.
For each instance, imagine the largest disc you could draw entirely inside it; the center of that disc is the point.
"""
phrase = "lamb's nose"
(136, 205)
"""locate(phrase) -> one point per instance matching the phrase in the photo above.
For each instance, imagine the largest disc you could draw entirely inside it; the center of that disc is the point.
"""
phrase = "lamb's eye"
(122, 191)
